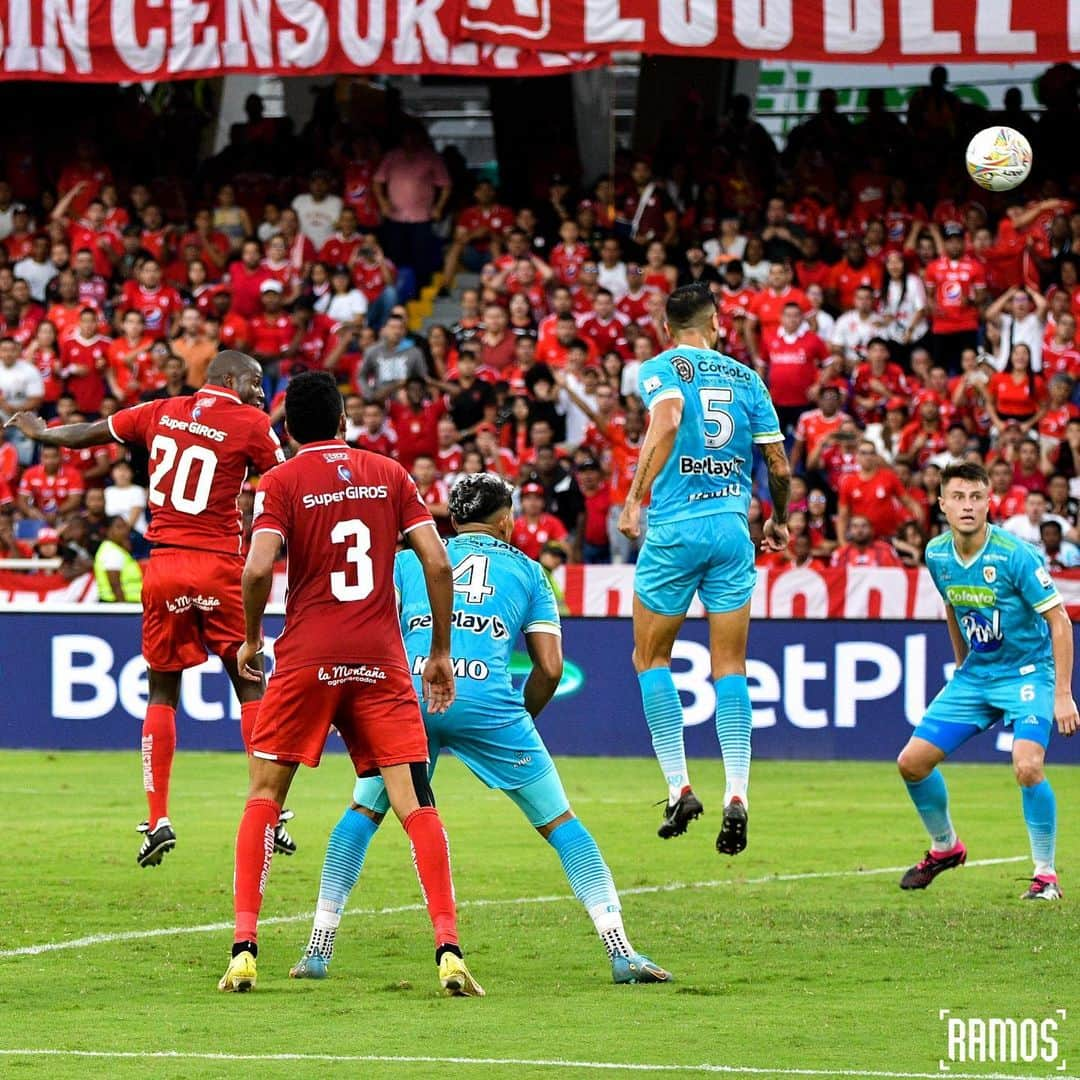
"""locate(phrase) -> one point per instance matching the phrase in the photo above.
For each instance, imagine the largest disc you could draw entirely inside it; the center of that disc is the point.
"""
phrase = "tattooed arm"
(664, 420)
(776, 531)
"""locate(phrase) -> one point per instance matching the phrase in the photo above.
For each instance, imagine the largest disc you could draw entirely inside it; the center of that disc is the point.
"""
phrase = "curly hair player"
(498, 593)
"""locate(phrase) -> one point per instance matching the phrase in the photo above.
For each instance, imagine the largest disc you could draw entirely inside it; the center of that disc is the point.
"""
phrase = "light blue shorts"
(965, 707)
(510, 757)
(712, 556)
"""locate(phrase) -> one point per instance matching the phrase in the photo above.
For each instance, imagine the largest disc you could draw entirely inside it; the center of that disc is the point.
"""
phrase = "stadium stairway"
(431, 309)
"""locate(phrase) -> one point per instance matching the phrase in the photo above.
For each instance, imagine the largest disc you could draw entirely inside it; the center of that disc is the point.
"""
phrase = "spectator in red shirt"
(93, 288)
(341, 247)
(432, 492)
(852, 272)
(479, 233)
(594, 541)
(416, 422)
(246, 276)
(876, 493)
(1017, 394)
(496, 342)
(862, 549)
(1059, 411)
(235, 332)
(212, 247)
(569, 255)
(84, 359)
(272, 332)
(1006, 497)
(374, 433)
(768, 305)
(535, 527)
(793, 357)
(876, 380)
(955, 286)
(87, 173)
(1060, 354)
(159, 304)
(606, 327)
(816, 425)
(49, 490)
(1026, 471)
(924, 437)
(376, 277)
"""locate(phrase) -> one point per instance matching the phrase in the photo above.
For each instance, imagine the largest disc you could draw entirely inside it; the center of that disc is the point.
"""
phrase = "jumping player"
(1013, 643)
(340, 660)
(706, 413)
(201, 448)
(498, 593)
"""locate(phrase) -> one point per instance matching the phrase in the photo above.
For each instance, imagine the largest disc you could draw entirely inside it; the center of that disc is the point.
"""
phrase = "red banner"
(848, 31)
(155, 40)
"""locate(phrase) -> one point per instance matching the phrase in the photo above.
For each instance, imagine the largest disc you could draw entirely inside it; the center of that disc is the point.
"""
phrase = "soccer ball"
(999, 158)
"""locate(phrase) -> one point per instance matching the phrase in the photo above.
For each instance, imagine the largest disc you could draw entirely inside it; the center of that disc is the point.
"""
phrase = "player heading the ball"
(707, 412)
(340, 660)
(201, 449)
(1013, 643)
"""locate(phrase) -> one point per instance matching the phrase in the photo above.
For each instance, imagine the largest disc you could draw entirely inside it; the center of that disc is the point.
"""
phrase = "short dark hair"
(690, 306)
(877, 341)
(313, 407)
(478, 497)
(965, 470)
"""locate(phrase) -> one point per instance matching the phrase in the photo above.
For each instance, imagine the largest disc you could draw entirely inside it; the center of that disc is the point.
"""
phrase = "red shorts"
(374, 708)
(191, 604)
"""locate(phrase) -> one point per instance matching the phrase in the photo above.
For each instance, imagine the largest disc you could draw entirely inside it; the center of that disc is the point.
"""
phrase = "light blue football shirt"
(999, 598)
(499, 592)
(726, 409)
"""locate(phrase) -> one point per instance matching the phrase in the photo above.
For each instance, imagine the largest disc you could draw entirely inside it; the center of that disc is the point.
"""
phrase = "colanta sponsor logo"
(970, 595)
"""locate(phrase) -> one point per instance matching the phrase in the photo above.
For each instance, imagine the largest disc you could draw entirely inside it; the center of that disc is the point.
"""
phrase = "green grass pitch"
(840, 972)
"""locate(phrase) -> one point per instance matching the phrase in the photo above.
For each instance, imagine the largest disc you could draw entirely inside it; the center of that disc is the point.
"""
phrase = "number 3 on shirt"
(719, 426)
(178, 497)
(357, 554)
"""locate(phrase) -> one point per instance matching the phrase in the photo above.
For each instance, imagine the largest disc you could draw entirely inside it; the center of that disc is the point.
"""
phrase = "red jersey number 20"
(183, 479)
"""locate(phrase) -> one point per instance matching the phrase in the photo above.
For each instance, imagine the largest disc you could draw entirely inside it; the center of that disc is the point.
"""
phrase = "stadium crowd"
(902, 318)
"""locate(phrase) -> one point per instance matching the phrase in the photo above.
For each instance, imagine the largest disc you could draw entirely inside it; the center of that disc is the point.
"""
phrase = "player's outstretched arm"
(255, 584)
(1061, 640)
(545, 651)
(664, 419)
(776, 531)
(71, 436)
(438, 674)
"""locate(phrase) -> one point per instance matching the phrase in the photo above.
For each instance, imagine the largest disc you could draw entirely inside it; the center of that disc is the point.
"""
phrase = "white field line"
(548, 1063)
(640, 890)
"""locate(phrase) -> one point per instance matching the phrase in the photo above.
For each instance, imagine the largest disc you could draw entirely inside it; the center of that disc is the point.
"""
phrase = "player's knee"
(546, 830)
(418, 770)
(913, 766)
(1028, 771)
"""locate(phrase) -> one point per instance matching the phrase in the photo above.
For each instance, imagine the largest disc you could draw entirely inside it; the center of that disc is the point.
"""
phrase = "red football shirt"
(270, 334)
(339, 511)
(846, 279)
(1003, 507)
(531, 537)
(417, 432)
(157, 306)
(607, 336)
(767, 306)
(568, 261)
(245, 288)
(83, 363)
(200, 450)
(794, 365)
(48, 492)
(952, 284)
(876, 499)
(375, 444)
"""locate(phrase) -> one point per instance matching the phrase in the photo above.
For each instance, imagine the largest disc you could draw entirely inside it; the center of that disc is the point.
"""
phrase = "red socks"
(431, 857)
(249, 712)
(254, 850)
(158, 748)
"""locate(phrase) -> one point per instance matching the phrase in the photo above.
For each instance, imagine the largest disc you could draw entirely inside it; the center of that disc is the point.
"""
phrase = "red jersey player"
(200, 450)
(340, 660)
